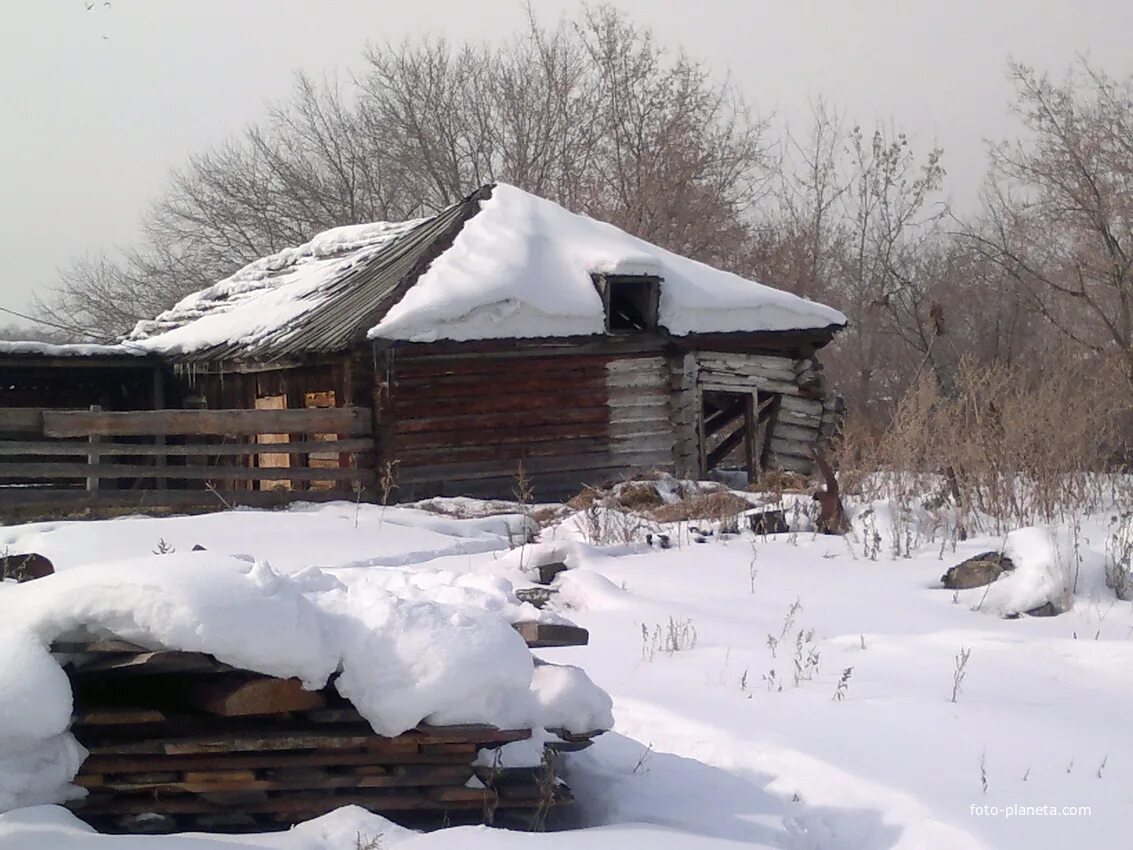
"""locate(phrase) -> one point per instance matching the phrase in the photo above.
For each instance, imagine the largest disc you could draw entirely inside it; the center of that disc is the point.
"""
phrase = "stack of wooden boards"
(180, 741)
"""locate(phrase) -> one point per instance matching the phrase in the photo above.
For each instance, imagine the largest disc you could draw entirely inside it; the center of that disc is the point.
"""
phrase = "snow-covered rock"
(1040, 583)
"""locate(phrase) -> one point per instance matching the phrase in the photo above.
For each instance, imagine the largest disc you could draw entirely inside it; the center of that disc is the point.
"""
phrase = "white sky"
(96, 106)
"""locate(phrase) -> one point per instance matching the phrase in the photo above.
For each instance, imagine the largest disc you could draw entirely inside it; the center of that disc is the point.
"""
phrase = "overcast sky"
(96, 106)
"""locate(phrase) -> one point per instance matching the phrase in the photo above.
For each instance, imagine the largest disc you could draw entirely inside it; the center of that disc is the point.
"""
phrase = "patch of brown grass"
(638, 496)
(583, 499)
(780, 481)
(715, 506)
(545, 516)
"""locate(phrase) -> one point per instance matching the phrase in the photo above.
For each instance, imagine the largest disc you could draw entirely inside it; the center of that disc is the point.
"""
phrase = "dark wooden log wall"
(461, 423)
(77, 383)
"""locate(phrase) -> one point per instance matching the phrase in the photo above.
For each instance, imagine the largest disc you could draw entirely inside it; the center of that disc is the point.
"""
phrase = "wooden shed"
(507, 331)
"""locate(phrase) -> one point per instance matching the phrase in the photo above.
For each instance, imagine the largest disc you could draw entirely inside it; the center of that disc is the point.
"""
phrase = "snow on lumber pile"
(181, 741)
(199, 691)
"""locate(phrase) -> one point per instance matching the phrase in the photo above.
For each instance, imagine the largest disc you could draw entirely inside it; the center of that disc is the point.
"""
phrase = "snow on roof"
(71, 349)
(523, 268)
(269, 295)
(519, 267)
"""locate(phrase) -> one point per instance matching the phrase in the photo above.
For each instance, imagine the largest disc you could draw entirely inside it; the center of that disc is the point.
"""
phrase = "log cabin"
(506, 331)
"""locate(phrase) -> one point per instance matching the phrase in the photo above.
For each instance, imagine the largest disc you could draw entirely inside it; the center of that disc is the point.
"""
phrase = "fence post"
(92, 456)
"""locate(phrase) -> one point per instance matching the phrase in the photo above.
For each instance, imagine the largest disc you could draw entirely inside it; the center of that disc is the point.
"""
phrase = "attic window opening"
(630, 302)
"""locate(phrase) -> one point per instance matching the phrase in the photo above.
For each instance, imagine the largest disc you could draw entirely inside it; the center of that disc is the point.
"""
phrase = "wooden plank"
(468, 750)
(543, 635)
(476, 733)
(118, 717)
(513, 436)
(534, 418)
(21, 420)
(262, 742)
(118, 763)
(717, 383)
(489, 365)
(747, 363)
(654, 412)
(111, 645)
(243, 697)
(352, 421)
(462, 795)
(218, 775)
(620, 453)
(790, 463)
(791, 447)
(442, 456)
(67, 471)
(147, 663)
(803, 405)
(504, 385)
(439, 776)
(56, 448)
(732, 359)
(798, 433)
(489, 401)
(795, 417)
(296, 804)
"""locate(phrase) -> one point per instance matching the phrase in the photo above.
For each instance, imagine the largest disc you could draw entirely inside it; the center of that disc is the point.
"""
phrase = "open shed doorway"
(733, 432)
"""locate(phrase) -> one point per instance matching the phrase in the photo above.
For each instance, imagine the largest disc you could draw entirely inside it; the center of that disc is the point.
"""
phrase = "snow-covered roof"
(270, 300)
(47, 349)
(524, 266)
(502, 264)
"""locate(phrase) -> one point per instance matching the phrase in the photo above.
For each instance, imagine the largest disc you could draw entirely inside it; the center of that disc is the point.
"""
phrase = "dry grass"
(584, 499)
(1000, 443)
(638, 496)
(707, 506)
(781, 481)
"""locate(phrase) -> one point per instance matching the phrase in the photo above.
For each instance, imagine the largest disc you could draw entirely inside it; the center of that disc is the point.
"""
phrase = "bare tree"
(1058, 206)
(854, 221)
(592, 113)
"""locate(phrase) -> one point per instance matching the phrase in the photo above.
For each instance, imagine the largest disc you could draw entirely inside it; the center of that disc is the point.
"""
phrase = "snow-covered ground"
(724, 660)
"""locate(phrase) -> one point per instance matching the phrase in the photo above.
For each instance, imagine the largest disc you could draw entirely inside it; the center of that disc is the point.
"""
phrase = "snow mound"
(494, 282)
(1040, 576)
(435, 647)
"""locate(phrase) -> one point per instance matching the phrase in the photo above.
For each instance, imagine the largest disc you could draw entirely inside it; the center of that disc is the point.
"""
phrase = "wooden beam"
(67, 471)
(730, 442)
(335, 420)
(723, 415)
(56, 448)
(21, 420)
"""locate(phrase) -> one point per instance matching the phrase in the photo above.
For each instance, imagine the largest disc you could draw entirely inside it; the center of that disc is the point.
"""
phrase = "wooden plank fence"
(93, 458)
